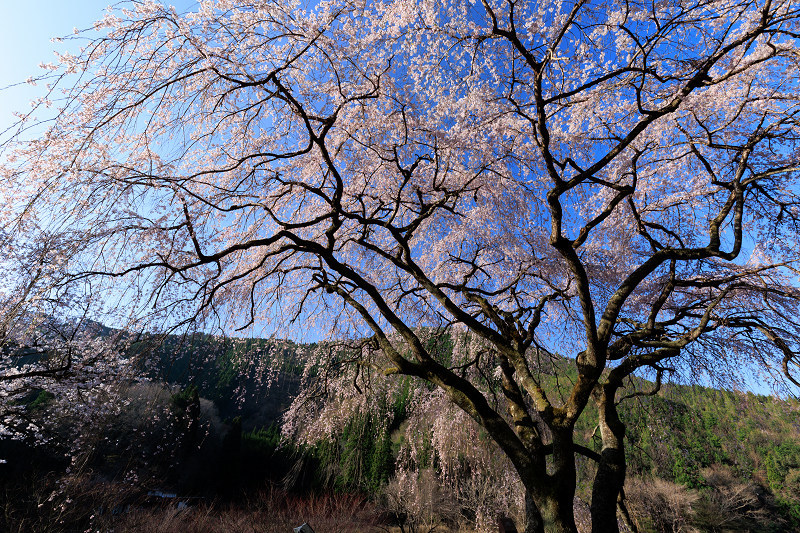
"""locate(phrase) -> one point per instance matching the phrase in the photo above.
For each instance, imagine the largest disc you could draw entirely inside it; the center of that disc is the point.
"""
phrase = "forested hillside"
(204, 422)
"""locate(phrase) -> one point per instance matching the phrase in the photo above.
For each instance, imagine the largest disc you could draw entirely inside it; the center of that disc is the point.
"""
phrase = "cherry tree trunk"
(549, 508)
(610, 477)
(533, 518)
(550, 514)
(606, 490)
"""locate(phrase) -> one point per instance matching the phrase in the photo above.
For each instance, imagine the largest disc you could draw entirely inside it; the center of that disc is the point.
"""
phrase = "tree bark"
(533, 518)
(610, 477)
(623, 513)
(605, 491)
(559, 517)
(549, 505)
(560, 508)
(546, 513)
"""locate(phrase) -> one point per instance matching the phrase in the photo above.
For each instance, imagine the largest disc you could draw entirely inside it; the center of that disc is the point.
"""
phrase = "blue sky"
(26, 27)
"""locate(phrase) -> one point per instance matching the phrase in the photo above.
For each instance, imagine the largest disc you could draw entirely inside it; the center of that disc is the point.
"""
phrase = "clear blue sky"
(26, 27)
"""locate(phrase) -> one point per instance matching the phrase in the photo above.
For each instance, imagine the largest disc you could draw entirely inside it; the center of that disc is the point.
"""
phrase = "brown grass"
(270, 512)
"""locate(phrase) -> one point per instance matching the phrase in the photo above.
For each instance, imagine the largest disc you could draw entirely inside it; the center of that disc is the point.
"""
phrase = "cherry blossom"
(614, 183)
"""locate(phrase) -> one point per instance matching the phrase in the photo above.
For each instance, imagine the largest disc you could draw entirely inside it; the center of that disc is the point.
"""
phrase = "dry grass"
(271, 512)
(659, 505)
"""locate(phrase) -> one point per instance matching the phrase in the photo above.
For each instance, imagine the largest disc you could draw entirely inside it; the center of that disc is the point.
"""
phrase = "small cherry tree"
(57, 369)
(614, 182)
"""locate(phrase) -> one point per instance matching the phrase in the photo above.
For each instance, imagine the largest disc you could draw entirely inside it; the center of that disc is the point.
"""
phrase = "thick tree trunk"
(533, 518)
(544, 513)
(559, 509)
(558, 516)
(606, 489)
(610, 477)
(549, 505)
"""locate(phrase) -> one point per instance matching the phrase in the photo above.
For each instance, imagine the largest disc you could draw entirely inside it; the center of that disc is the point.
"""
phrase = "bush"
(728, 504)
(418, 502)
(661, 506)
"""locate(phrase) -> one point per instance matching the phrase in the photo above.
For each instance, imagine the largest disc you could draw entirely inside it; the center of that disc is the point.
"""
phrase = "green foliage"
(365, 454)
(685, 429)
(186, 397)
(780, 462)
(263, 440)
(41, 400)
(782, 465)
(441, 348)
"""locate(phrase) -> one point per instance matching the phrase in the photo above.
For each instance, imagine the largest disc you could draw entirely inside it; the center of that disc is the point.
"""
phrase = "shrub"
(659, 505)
